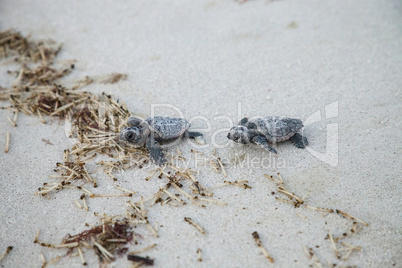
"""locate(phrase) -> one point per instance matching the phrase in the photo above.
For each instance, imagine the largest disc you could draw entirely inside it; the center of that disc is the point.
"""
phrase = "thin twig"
(81, 256)
(347, 215)
(259, 244)
(110, 195)
(7, 142)
(9, 248)
(333, 244)
(199, 254)
(12, 122)
(310, 253)
(191, 222)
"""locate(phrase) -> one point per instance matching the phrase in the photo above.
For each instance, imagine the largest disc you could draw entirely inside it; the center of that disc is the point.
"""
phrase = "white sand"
(287, 58)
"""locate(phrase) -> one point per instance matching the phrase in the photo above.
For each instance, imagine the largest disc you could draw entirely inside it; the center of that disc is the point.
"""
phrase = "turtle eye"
(236, 136)
(130, 135)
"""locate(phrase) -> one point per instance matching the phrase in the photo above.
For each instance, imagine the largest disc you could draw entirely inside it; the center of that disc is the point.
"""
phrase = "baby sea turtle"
(151, 131)
(270, 129)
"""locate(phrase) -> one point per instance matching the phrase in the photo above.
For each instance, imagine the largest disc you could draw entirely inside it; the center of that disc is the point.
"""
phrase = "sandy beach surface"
(334, 64)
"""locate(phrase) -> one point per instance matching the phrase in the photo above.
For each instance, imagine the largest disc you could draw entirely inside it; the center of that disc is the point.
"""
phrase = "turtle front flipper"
(299, 141)
(263, 142)
(243, 122)
(197, 136)
(155, 151)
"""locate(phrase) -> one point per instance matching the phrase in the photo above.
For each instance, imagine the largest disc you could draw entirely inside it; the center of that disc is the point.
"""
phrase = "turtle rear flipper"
(263, 142)
(197, 136)
(155, 151)
(299, 141)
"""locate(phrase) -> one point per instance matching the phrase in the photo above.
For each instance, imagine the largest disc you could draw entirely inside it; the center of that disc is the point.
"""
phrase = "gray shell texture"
(279, 128)
(166, 128)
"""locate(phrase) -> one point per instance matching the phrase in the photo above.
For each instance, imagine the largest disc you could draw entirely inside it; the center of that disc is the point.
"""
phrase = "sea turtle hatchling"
(267, 130)
(153, 130)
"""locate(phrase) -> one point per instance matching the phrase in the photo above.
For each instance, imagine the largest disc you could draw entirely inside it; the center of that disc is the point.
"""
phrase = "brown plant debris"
(320, 209)
(138, 215)
(47, 141)
(101, 79)
(11, 122)
(45, 263)
(8, 249)
(310, 254)
(198, 227)
(94, 122)
(69, 173)
(347, 215)
(52, 261)
(349, 249)
(141, 260)
(43, 259)
(333, 245)
(215, 162)
(13, 43)
(113, 78)
(111, 195)
(185, 184)
(241, 184)
(343, 252)
(257, 239)
(43, 244)
(95, 119)
(277, 181)
(107, 240)
(83, 261)
(294, 199)
(199, 255)
(7, 142)
(297, 201)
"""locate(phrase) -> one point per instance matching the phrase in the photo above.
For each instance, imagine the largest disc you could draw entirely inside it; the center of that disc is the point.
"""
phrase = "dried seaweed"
(14, 43)
(95, 122)
(106, 238)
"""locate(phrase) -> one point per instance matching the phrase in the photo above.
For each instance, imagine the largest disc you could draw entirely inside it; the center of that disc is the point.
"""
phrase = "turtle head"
(239, 134)
(132, 135)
